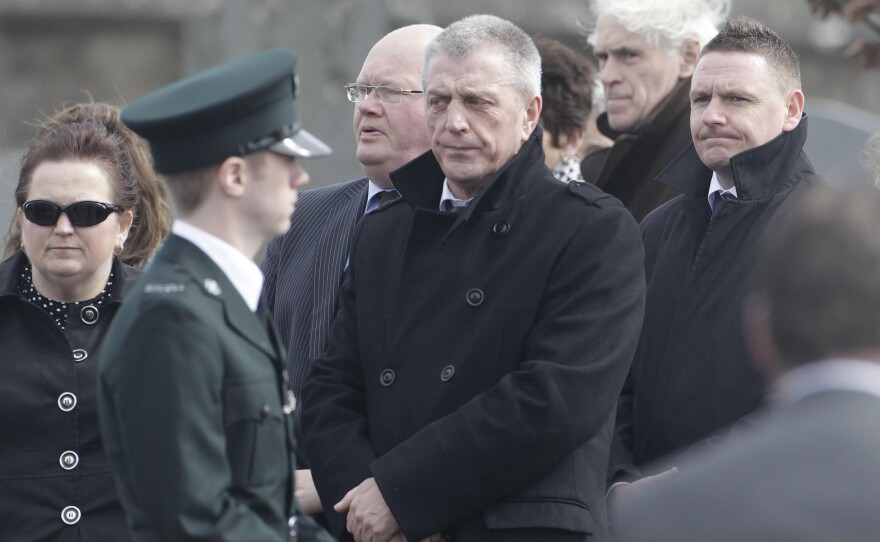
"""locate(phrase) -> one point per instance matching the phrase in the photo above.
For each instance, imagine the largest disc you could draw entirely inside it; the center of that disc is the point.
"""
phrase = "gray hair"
(667, 24)
(463, 37)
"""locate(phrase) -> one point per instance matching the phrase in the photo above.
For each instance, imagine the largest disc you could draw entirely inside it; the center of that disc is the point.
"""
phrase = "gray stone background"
(58, 51)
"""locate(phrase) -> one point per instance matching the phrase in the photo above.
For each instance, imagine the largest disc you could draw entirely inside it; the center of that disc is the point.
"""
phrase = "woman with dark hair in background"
(567, 82)
(76, 194)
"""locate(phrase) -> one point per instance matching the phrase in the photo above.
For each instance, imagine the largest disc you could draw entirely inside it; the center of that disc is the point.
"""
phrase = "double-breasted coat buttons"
(70, 515)
(69, 460)
(67, 401)
(474, 297)
(387, 377)
(501, 228)
(447, 373)
(89, 314)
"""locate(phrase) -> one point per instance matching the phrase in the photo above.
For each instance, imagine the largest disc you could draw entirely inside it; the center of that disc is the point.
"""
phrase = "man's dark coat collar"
(420, 182)
(668, 111)
(758, 173)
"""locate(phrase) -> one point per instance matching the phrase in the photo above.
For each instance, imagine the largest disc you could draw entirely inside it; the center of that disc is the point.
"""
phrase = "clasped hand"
(369, 519)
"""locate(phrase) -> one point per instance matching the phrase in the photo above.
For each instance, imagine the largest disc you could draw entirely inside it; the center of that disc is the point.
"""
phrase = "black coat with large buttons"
(55, 481)
(475, 360)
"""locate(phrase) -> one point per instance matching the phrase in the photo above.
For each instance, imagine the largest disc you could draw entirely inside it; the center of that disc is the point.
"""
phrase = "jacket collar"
(758, 173)
(668, 111)
(184, 256)
(420, 182)
(12, 266)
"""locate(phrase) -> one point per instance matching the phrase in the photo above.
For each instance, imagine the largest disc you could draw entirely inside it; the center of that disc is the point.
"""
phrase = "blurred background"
(58, 51)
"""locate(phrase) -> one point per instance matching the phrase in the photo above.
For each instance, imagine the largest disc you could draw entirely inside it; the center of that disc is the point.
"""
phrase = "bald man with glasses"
(304, 267)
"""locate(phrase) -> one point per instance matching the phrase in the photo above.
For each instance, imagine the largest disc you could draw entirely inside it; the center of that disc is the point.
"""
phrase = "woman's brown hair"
(152, 219)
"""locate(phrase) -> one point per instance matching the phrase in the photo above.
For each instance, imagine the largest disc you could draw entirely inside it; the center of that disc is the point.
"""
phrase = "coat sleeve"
(167, 410)
(621, 464)
(576, 356)
(621, 467)
(335, 428)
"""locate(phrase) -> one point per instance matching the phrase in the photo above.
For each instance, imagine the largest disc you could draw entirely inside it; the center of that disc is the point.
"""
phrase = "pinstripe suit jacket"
(303, 271)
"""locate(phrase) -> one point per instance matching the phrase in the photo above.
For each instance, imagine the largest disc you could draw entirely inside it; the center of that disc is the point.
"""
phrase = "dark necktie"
(384, 197)
(718, 201)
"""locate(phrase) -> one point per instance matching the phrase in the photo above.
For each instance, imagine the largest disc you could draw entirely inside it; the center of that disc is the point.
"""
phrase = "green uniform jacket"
(192, 401)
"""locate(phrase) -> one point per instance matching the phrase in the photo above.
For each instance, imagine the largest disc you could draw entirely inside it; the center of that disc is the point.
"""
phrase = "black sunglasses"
(81, 213)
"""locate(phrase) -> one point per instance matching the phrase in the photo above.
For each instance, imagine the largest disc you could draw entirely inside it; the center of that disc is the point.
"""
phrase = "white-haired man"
(647, 52)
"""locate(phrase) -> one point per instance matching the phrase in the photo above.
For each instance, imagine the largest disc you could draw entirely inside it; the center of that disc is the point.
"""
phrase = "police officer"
(193, 398)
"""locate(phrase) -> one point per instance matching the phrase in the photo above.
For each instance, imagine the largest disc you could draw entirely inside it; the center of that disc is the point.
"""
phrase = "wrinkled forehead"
(486, 65)
(732, 69)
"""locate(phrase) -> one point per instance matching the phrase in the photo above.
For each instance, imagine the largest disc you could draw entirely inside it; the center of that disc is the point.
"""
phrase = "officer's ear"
(231, 176)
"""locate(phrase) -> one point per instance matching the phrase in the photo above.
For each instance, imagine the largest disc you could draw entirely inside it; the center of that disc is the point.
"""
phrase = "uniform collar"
(241, 271)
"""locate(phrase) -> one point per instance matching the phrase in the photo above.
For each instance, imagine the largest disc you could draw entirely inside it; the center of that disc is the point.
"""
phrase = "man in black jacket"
(691, 375)
(647, 51)
(469, 384)
(304, 266)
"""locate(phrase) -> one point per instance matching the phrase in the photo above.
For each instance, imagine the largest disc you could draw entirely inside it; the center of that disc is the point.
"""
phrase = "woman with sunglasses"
(152, 220)
(76, 194)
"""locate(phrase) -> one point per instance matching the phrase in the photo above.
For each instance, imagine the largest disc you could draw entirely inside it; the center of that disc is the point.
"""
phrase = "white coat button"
(66, 401)
(79, 355)
(70, 515)
(69, 460)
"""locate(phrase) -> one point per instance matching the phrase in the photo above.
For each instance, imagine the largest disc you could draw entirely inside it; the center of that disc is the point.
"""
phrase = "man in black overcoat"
(469, 384)
(304, 266)
(691, 376)
(647, 52)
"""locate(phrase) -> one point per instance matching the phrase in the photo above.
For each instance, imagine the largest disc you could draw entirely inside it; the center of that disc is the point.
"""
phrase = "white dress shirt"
(241, 271)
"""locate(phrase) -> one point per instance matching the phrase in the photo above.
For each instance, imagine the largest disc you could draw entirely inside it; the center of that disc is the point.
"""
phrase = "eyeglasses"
(386, 95)
(81, 213)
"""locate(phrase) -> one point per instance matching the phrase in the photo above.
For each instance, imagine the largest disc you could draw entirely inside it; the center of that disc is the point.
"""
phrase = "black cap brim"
(302, 144)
